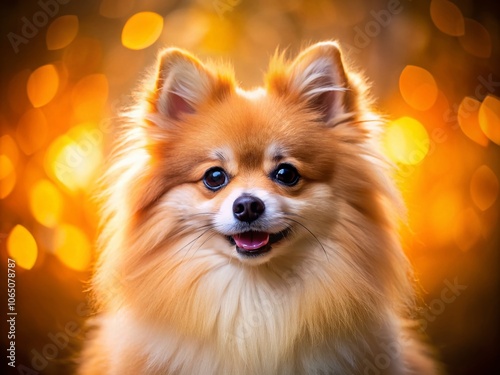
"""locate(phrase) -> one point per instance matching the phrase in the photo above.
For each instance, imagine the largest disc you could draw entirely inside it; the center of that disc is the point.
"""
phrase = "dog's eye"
(215, 178)
(286, 174)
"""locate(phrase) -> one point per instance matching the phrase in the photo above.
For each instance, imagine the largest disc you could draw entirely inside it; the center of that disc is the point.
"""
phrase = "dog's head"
(249, 175)
(208, 176)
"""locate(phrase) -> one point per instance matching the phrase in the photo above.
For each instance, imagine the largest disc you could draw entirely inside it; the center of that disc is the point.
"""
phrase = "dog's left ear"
(317, 77)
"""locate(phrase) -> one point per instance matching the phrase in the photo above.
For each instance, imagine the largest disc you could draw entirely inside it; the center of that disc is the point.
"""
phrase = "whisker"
(199, 247)
(309, 231)
(213, 233)
(205, 228)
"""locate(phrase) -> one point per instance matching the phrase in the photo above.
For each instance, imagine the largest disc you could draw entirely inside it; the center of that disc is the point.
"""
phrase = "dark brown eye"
(215, 178)
(286, 174)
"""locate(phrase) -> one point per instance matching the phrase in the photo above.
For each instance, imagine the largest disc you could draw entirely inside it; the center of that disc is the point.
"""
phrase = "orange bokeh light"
(6, 166)
(418, 87)
(31, 132)
(61, 32)
(42, 85)
(467, 229)
(22, 247)
(7, 176)
(447, 17)
(489, 118)
(8, 147)
(142, 30)
(9, 156)
(7, 184)
(484, 187)
(476, 40)
(468, 119)
(72, 247)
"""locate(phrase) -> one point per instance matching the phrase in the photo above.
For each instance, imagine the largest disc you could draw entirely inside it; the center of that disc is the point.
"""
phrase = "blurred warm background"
(68, 66)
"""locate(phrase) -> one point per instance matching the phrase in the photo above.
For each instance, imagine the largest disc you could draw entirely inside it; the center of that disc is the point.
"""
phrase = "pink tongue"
(251, 240)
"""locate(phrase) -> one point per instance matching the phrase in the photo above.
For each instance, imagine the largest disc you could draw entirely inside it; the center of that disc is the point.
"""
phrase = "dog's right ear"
(183, 83)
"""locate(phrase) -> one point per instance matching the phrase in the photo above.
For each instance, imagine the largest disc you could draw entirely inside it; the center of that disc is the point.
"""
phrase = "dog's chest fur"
(252, 324)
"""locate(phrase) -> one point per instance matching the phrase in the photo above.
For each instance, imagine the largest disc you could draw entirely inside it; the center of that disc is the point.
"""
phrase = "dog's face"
(253, 180)
(249, 174)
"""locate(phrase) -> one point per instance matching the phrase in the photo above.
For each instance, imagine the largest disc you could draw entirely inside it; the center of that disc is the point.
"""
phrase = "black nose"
(248, 208)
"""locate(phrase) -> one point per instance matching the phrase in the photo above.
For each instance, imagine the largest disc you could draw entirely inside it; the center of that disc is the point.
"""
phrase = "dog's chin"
(256, 247)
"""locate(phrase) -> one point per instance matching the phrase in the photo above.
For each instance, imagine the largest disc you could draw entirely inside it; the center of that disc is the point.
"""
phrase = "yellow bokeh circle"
(406, 141)
(142, 30)
(46, 203)
(22, 247)
(72, 247)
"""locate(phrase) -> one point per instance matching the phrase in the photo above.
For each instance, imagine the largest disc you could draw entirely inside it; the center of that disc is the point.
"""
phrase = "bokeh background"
(68, 66)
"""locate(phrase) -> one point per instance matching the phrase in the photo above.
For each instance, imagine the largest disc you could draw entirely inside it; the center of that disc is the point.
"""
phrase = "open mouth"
(253, 243)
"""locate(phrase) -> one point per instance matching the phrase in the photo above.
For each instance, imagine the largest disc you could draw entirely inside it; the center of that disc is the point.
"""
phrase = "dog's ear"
(317, 77)
(183, 83)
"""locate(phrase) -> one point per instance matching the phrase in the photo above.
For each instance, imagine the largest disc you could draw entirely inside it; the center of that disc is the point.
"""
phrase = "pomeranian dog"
(252, 232)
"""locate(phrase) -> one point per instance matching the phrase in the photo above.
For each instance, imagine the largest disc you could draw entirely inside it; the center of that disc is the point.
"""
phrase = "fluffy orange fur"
(174, 293)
